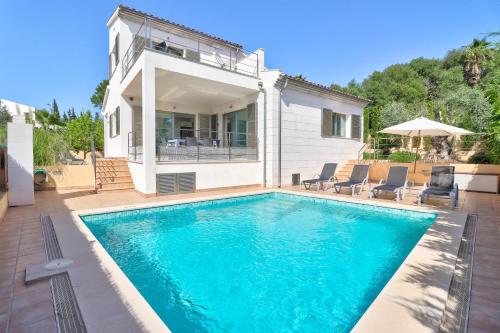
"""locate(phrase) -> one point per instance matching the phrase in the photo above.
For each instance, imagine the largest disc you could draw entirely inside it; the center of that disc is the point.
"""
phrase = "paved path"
(29, 308)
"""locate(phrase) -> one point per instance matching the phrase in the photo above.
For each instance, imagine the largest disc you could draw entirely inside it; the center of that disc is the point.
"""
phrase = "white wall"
(18, 110)
(303, 149)
(20, 164)
(217, 174)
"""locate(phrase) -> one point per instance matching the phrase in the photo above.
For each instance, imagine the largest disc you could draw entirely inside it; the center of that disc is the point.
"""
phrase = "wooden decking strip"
(455, 317)
(67, 312)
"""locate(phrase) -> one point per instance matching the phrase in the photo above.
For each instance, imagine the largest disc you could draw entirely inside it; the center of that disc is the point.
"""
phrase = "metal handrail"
(93, 157)
(362, 150)
(239, 61)
(200, 144)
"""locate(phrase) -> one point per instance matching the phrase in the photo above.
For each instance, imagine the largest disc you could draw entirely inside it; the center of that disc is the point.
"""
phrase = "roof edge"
(321, 88)
(125, 9)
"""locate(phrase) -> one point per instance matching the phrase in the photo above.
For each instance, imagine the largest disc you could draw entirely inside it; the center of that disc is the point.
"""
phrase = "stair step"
(112, 168)
(114, 180)
(111, 164)
(104, 190)
(113, 173)
(117, 186)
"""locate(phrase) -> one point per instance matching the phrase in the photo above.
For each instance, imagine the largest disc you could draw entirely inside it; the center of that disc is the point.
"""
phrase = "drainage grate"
(51, 244)
(456, 313)
(68, 316)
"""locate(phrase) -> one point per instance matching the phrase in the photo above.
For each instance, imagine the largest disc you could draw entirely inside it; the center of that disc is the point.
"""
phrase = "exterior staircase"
(112, 174)
(345, 172)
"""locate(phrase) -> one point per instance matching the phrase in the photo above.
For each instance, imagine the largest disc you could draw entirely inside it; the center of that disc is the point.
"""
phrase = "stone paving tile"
(32, 311)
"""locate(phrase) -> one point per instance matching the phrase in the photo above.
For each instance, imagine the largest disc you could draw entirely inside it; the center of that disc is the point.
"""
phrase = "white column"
(20, 163)
(148, 128)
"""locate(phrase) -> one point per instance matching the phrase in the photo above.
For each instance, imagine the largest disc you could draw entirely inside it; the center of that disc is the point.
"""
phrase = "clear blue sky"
(58, 48)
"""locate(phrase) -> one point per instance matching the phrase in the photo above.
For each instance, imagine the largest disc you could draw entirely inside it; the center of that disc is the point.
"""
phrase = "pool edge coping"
(380, 315)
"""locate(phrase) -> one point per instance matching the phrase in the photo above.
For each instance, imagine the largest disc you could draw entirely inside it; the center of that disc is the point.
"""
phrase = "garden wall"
(70, 176)
(379, 170)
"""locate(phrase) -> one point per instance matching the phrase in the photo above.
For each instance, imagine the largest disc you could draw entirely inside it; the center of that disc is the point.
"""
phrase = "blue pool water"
(263, 263)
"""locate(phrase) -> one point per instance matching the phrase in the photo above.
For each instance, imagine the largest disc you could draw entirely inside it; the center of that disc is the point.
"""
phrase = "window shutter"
(117, 112)
(355, 127)
(110, 125)
(117, 49)
(326, 123)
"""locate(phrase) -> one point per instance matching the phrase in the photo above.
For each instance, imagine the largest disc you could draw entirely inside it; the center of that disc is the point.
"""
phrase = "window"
(240, 127)
(333, 124)
(114, 56)
(114, 123)
(355, 127)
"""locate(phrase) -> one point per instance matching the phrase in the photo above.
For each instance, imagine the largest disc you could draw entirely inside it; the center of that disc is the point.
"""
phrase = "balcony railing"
(200, 145)
(196, 50)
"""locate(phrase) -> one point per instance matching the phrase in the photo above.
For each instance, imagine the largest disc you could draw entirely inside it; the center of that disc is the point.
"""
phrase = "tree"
(71, 113)
(42, 116)
(55, 117)
(475, 55)
(5, 116)
(468, 108)
(398, 112)
(78, 133)
(99, 134)
(397, 83)
(98, 97)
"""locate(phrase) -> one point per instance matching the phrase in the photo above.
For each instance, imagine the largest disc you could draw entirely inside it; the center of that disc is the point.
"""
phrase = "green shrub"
(402, 157)
(48, 146)
(481, 158)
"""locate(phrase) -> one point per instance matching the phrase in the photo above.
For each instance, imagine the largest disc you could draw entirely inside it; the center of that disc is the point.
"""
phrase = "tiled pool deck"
(29, 308)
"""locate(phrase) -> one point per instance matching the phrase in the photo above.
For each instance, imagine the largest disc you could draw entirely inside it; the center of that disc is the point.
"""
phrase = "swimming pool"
(263, 263)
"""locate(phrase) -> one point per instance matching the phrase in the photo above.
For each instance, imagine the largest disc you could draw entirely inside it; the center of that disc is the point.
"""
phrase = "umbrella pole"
(416, 154)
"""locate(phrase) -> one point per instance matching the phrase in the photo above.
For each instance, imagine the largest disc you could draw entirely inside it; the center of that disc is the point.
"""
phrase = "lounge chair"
(327, 176)
(69, 159)
(359, 176)
(397, 182)
(442, 184)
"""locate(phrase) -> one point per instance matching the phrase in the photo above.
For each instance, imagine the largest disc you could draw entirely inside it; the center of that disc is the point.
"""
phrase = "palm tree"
(474, 57)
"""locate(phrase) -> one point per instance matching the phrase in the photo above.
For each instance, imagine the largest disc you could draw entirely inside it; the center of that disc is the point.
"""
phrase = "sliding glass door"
(240, 127)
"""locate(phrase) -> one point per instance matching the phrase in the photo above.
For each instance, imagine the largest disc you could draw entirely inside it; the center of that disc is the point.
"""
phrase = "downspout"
(279, 131)
(264, 150)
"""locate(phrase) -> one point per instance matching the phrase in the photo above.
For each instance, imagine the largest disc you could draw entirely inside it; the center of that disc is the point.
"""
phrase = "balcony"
(195, 50)
(197, 146)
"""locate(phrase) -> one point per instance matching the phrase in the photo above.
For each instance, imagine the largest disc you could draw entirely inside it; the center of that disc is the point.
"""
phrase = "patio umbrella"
(424, 127)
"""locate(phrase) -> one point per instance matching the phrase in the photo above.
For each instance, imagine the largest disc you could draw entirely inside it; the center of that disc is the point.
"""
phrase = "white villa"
(193, 111)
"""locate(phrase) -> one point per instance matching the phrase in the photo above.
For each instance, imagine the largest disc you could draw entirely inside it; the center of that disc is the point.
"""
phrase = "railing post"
(197, 146)
(93, 157)
(229, 146)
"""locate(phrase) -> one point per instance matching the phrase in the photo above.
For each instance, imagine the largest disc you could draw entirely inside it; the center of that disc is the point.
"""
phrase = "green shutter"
(326, 123)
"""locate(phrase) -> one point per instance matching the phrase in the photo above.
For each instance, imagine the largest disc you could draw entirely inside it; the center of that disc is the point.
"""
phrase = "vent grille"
(186, 182)
(166, 183)
(173, 183)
